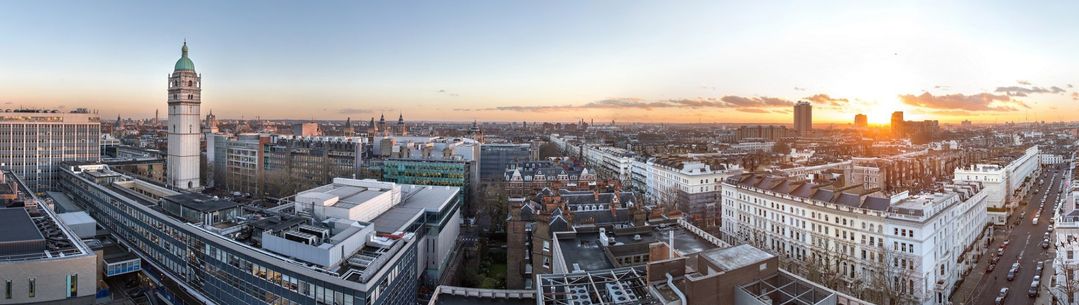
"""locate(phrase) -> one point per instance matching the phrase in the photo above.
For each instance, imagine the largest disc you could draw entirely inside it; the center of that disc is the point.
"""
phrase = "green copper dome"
(184, 64)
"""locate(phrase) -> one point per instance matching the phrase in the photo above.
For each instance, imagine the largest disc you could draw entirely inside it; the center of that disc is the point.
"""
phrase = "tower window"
(190, 83)
(190, 96)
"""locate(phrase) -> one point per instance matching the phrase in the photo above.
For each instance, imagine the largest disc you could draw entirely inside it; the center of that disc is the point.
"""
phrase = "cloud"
(353, 111)
(799, 89)
(1023, 82)
(1075, 96)
(739, 102)
(443, 91)
(974, 102)
(826, 100)
(952, 112)
(1024, 91)
(752, 110)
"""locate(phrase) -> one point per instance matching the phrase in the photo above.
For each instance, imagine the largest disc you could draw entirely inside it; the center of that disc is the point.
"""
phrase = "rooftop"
(732, 258)
(20, 235)
(201, 203)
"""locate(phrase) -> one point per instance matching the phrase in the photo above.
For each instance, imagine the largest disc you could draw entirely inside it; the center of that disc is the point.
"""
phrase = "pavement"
(980, 287)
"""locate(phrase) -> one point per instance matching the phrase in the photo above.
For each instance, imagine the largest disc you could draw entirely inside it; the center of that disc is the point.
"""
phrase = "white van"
(1035, 220)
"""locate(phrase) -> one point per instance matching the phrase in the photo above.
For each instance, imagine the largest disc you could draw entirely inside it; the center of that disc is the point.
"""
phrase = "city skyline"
(601, 61)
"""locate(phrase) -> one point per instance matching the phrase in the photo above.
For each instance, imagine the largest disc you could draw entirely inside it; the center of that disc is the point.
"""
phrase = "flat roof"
(416, 200)
(201, 203)
(18, 226)
(739, 256)
(450, 299)
(585, 249)
(64, 202)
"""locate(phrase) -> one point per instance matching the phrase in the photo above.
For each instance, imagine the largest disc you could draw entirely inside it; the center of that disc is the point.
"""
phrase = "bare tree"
(891, 278)
(1070, 285)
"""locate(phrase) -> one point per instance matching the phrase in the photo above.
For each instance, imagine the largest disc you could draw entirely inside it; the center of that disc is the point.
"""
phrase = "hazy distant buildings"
(34, 143)
(966, 124)
(897, 122)
(803, 118)
(861, 121)
(761, 133)
(184, 130)
(277, 165)
(307, 129)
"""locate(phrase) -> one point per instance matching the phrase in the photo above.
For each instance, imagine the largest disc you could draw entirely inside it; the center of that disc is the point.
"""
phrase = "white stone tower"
(185, 88)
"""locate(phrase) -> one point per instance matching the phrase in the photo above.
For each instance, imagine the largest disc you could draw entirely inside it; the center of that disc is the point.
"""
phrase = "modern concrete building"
(803, 118)
(276, 166)
(350, 242)
(185, 125)
(921, 244)
(33, 143)
(42, 261)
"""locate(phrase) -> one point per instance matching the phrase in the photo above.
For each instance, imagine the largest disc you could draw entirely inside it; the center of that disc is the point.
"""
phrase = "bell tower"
(184, 126)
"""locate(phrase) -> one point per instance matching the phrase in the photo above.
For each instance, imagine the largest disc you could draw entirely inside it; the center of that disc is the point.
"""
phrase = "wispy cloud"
(739, 102)
(1075, 96)
(1024, 91)
(974, 102)
(1023, 82)
(444, 92)
(825, 100)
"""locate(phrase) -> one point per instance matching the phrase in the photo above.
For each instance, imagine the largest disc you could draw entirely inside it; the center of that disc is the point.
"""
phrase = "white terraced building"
(1003, 183)
(903, 242)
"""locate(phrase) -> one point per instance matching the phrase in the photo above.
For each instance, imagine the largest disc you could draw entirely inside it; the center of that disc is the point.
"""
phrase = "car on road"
(1011, 274)
(1002, 295)
(1038, 268)
(1033, 290)
(994, 259)
(1000, 251)
(990, 267)
(1045, 243)
(1050, 227)
(1035, 220)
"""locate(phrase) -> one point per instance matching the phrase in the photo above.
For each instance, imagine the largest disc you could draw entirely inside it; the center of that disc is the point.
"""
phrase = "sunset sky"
(631, 61)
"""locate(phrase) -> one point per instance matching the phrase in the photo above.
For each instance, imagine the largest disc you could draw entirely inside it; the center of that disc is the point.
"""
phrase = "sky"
(627, 61)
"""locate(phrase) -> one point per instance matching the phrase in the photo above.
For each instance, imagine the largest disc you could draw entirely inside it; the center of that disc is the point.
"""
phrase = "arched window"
(190, 96)
(190, 83)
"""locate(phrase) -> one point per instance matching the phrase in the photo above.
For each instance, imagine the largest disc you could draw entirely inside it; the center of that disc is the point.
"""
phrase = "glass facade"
(227, 272)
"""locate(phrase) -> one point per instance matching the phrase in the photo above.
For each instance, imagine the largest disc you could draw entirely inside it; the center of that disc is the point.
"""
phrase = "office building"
(861, 121)
(348, 242)
(496, 158)
(35, 143)
(919, 245)
(276, 166)
(803, 118)
(42, 261)
(185, 126)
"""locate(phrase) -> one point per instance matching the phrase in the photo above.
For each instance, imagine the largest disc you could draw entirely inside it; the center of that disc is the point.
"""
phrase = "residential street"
(1024, 246)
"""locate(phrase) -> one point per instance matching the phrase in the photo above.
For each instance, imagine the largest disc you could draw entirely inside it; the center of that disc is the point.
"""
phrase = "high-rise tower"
(185, 89)
(803, 118)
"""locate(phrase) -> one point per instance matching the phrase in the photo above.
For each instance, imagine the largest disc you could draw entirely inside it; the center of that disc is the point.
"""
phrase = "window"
(546, 246)
(33, 287)
(7, 289)
(72, 285)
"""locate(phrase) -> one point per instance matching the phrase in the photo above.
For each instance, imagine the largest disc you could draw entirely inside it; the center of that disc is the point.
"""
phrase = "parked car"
(1050, 226)
(1038, 269)
(1002, 295)
(1011, 274)
(990, 267)
(1033, 290)
(994, 259)
(1035, 220)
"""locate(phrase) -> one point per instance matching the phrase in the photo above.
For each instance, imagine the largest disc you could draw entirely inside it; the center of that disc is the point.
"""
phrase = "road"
(1024, 246)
